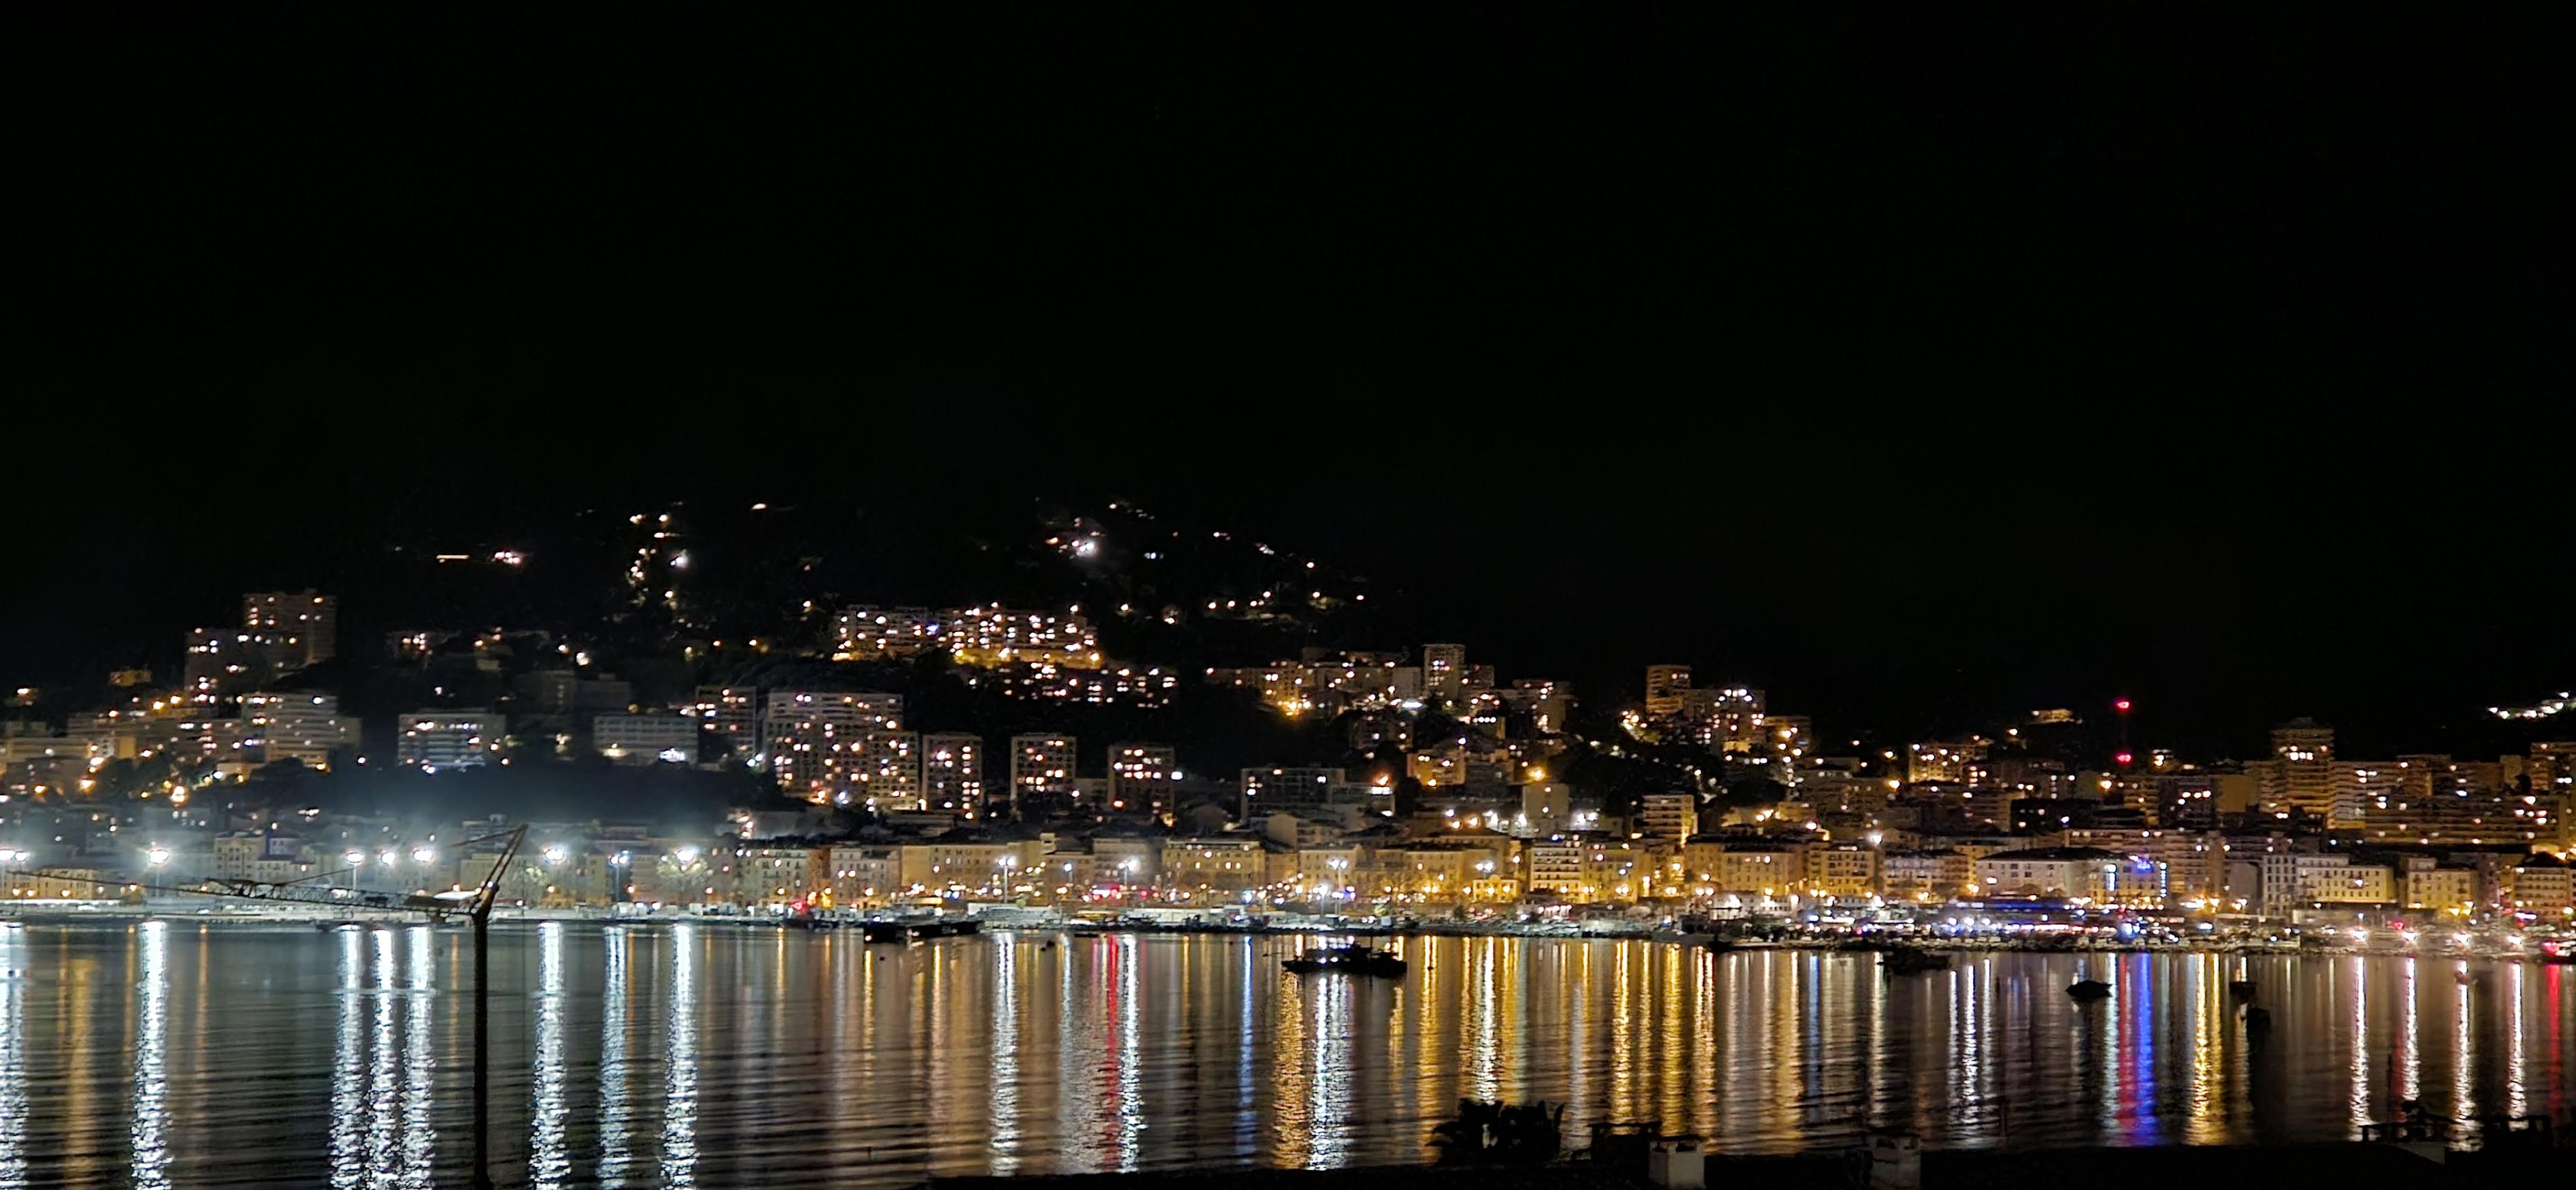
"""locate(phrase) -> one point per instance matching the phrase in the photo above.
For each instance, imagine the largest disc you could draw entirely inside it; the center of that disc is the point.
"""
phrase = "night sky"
(1915, 365)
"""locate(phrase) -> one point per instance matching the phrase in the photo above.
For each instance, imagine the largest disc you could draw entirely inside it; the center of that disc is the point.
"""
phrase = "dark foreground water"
(180, 1054)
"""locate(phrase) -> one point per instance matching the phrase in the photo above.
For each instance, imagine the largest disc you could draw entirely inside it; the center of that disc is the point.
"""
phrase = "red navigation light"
(2121, 706)
(2126, 758)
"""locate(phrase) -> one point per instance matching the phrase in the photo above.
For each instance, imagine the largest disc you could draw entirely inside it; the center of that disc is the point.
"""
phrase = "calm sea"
(179, 1053)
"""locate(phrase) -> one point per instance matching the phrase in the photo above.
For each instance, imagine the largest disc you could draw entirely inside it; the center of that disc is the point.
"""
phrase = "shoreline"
(298, 915)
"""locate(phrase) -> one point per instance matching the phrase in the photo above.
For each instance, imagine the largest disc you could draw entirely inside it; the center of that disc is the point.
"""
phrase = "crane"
(475, 904)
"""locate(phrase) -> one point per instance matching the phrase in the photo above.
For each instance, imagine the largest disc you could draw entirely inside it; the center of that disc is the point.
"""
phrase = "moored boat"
(1346, 960)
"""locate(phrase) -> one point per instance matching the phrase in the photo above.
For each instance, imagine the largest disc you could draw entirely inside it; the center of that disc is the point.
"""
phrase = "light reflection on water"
(151, 1078)
(679, 1055)
(548, 1164)
(14, 1107)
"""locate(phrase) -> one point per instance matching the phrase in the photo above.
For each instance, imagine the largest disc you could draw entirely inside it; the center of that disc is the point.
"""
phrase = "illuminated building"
(2429, 798)
(952, 773)
(985, 865)
(2049, 871)
(293, 629)
(863, 874)
(223, 660)
(1724, 718)
(1664, 687)
(2194, 862)
(1760, 869)
(2551, 770)
(1471, 761)
(776, 874)
(732, 714)
(435, 740)
(798, 710)
(1141, 776)
(645, 739)
(827, 747)
(1844, 870)
(2334, 879)
(1786, 737)
(1444, 670)
(1669, 816)
(1216, 864)
(2429, 885)
(1343, 681)
(1545, 702)
(1558, 866)
(1041, 774)
(1271, 789)
(2363, 790)
(994, 635)
(1925, 875)
(2300, 776)
(1949, 762)
(306, 728)
(2544, 884)
(886, 767)
(1547, 808)
(866, 632)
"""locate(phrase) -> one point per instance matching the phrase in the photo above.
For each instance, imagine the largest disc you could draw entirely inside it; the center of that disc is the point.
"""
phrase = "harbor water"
(186, 1053)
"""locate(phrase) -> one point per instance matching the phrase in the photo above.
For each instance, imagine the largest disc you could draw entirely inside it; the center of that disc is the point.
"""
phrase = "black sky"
(1913, 363)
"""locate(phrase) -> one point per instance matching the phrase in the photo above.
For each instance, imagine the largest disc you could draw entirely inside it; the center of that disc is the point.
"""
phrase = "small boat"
(2089, 989)
(1347, 960)
(2258, 1020)
(1912, 960)
(2242, 989)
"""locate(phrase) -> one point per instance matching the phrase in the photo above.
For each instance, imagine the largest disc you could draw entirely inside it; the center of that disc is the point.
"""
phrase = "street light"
(555, 854)
(157, 856)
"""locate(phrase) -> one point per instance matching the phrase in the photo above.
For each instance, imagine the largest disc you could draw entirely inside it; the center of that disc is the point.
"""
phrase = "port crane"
(474, 904)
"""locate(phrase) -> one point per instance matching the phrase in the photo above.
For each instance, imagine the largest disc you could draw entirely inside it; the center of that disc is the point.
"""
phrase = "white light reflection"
(13, 1056)
(1131, 1103)
(1006, 1057)
(2410, 1068)
(548, 1165)
(2360, 1103)
(2517, 1101)
(151, 1052)
(420, 1137)
(1485, 1047)
(2464, 1096)
(1328, 1090)
(680, 1070)
(381, 1099)
(349, 1065)
(614, 1110)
